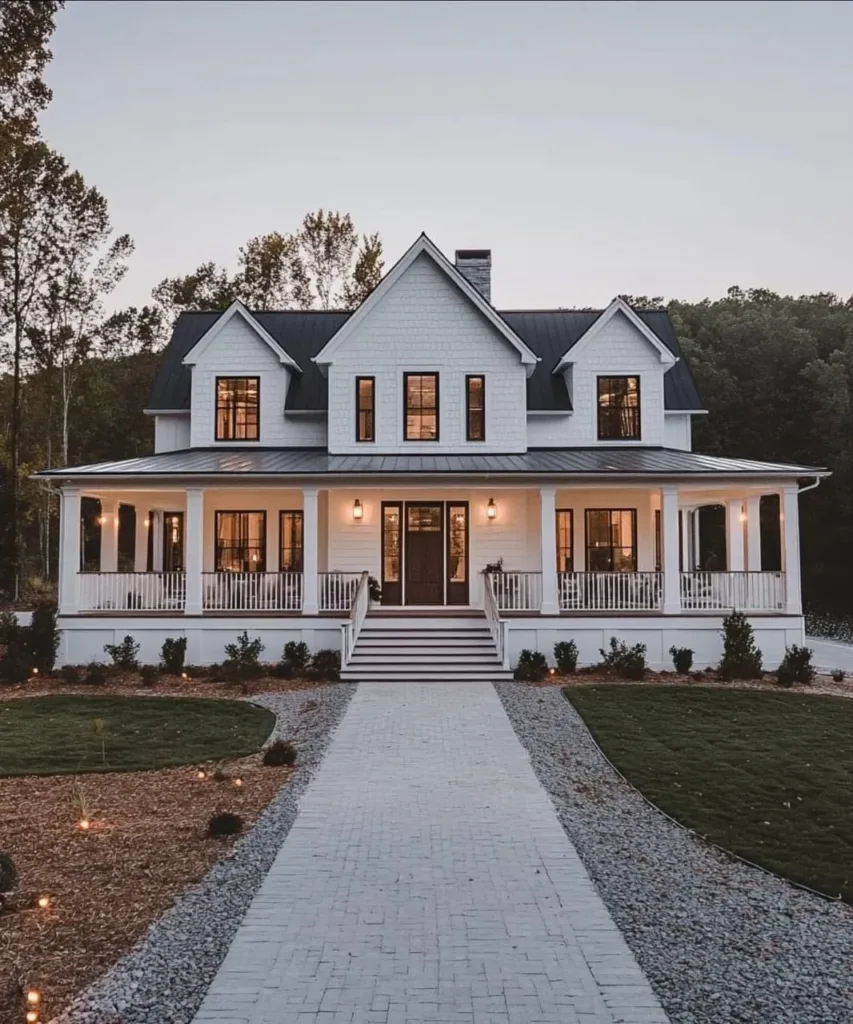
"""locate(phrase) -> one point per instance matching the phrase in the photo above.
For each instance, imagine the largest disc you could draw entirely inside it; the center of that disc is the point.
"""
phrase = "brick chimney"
(476, 266)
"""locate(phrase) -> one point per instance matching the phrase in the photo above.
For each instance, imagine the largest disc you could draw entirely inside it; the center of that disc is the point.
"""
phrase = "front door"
(424, 553)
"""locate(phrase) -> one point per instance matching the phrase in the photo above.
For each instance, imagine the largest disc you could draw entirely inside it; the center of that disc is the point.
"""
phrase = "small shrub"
(125, 655)
(682, 658)
(374, 590)
(219, 775)
(838, 676)
(172, 654)
(796, 667)
(96, 674)
(70, 675)
(44, 637)
(149, 674)
(325, 666)
(294, 660)
(243, 658)
(741, 658)
(566, 656)
(280, 752)
(16, 659)
(225, 823)
(624, 661)
(8, 873)
(532, 666)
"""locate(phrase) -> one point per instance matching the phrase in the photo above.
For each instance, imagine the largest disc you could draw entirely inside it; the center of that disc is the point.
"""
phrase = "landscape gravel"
(165, 976)
(721, 942)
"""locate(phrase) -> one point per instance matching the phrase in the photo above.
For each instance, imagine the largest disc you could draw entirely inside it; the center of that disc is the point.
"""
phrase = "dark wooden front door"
(424, 553)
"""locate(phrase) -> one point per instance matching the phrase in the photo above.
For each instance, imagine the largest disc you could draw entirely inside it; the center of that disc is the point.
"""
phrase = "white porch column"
(140, 550)
(157, 540)
(753, 533)
(69, 552)
(194, 548)
(109, 535)
(791, 549)
(735, 561)
(548, 537)
(310, 561)
(670, 549)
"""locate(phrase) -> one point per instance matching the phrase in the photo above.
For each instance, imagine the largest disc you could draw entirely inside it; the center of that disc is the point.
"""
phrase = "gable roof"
(550, 333)
(617, 306)
(423, 246)
(237, 309)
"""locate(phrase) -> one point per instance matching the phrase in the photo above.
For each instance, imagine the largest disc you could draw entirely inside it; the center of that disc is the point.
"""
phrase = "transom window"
(611, 540)
(241, 541)
(565, 540)
(365, 409)
(420, 417)
(290, 535)
(618, 408)
(475, 407)
(237, 408)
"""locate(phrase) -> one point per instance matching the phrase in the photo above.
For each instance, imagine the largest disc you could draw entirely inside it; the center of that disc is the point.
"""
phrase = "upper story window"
(237, 408)
(365, 408)
(475, 408)
(420, 415)
(618, 408)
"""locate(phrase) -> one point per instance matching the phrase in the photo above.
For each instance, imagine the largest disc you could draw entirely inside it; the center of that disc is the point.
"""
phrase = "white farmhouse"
(510, 479)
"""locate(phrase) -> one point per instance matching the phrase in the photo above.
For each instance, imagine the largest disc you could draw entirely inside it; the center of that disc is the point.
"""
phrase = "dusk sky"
(653, 148)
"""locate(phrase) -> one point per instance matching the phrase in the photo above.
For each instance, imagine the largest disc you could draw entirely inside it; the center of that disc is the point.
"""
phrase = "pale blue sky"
(660, 148)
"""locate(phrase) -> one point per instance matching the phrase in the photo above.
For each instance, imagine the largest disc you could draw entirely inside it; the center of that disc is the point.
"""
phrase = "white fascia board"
(616, 306)
(238, 309)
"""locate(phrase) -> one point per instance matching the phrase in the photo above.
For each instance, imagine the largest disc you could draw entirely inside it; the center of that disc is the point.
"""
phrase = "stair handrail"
(357, 614)
(498, 627)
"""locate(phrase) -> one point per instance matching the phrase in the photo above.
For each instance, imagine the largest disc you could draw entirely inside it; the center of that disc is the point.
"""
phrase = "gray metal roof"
(652, 462)
(550, 333)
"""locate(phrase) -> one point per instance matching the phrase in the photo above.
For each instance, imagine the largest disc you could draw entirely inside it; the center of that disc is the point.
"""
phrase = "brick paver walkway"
(427, 878)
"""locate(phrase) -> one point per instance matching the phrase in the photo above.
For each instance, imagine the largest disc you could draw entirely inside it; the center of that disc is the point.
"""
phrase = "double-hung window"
(420, 413)
(241, 541)
(238, 408)
(475, 407)
(618, 408)
(365, 408)
(565, 540)
(291, 541)
(611, 540)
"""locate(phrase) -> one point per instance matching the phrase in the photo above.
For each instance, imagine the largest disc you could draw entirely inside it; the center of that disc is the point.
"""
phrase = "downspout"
(811, 487)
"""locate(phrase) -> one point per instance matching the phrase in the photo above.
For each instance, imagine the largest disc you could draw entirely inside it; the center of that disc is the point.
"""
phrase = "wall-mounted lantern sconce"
(357, 509)
(492, 509)
(102, 520)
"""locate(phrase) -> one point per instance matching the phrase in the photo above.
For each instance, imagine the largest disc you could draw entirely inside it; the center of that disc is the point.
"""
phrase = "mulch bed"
(146, 843)
(822, 684)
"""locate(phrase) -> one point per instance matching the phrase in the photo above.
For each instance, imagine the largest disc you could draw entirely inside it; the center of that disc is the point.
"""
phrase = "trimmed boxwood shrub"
(280, 752)
(294, 660)
(225, 823)
(566, 656)
(682, 658)
(796, 667)
(532, 666)
(325, 666)
(624, 661)
(173, 654)
(741, 658)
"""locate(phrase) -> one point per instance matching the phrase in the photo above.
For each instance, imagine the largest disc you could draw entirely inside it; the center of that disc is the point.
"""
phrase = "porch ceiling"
(610, 463)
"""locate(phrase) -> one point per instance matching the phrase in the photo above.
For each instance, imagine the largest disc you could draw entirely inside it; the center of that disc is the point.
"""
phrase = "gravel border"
(166, 975)
(721, 942)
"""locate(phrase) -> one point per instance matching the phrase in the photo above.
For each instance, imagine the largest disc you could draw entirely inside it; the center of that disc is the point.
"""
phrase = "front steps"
(420, 649)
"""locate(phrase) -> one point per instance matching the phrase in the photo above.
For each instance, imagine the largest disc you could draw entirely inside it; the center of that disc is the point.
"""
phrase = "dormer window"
(618, 408)
(238, 408)
(420, 417)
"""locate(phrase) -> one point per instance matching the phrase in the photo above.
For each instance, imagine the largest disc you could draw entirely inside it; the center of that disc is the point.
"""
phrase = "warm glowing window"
(611, 540)
(241, 541)
(565, 561)
(290, 528)
(475, 408)
(420, 422)
(618, 408)
(365, 409)
(173, 541)
(237, 408)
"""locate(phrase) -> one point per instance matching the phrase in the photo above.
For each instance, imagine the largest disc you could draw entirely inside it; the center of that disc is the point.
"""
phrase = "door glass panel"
(391, 545)
(458, 543)
(173, 541)
(424, 518)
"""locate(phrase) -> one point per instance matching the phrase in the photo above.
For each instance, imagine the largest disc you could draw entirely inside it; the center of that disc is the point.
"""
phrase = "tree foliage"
(25, 28)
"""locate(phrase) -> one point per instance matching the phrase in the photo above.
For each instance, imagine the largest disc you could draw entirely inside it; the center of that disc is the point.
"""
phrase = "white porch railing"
(251, 591)
(336, 590)
(132, 591)
(357, 613)
(741, 591)
(497, 625)
(610, 591)
(517, 591)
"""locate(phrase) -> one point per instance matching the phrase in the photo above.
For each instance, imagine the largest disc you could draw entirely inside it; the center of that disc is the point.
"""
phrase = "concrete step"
(407, 675)
(425, 634)
(433, 658)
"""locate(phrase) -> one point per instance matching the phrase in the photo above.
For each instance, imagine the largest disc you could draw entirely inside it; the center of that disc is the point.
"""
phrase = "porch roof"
(617, 462)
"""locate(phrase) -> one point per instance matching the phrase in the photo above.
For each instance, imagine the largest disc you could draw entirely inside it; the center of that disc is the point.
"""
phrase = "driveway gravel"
(721, 942)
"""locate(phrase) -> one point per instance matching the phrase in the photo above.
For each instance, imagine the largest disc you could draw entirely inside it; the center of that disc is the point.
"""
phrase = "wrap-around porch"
(525, 550)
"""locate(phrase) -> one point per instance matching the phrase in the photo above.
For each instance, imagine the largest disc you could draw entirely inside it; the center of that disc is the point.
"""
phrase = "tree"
(342, 274)
(25, 28)
(272, 273)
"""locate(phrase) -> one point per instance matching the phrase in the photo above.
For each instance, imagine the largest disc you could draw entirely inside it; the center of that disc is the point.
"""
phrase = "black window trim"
(421, 373)
(358, 409)
(634, 538)
(238, 511)
(598, 408)
(235, 440)
(468, 378)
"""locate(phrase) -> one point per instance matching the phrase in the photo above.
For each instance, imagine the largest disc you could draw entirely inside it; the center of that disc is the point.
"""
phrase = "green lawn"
(51, 735)
(768, 776)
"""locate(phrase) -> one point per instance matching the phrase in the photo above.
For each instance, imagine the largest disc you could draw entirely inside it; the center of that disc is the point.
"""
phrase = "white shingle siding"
(677, 431)
(426, 324)
(171, 432)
